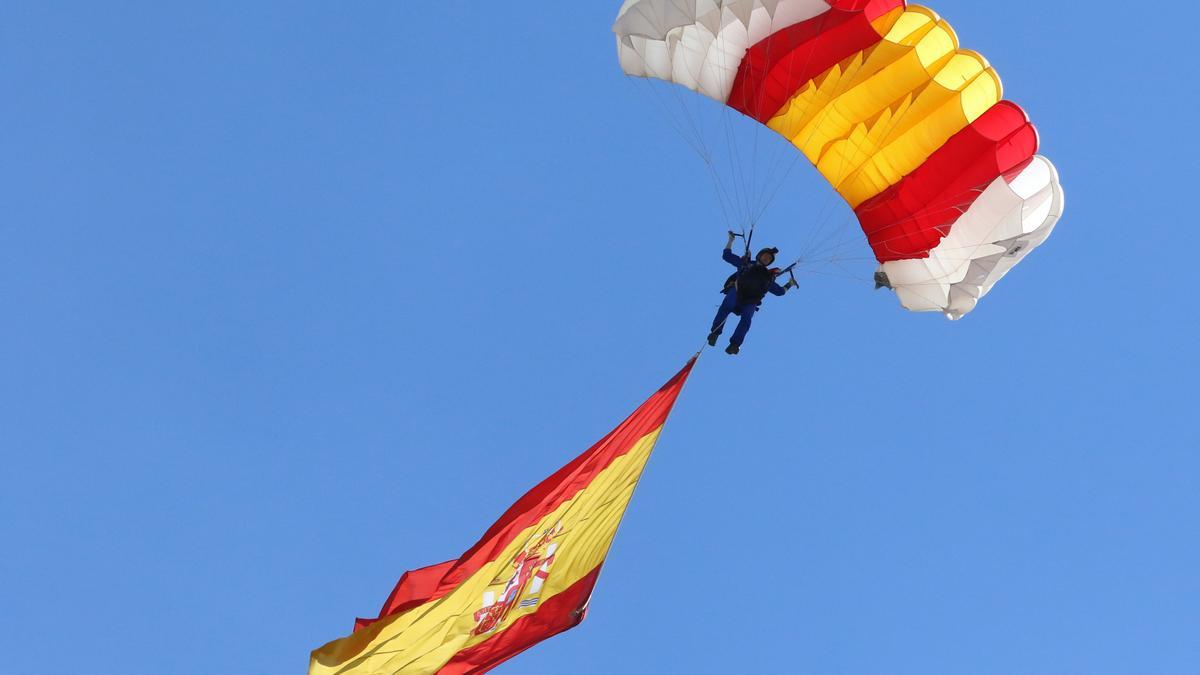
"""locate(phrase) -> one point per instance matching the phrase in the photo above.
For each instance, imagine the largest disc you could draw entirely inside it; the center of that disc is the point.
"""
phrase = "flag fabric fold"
(527, 579)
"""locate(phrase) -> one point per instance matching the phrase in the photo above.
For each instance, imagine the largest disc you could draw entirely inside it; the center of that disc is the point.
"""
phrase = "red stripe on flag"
(414, 589)
(910, 218)
(560, 613)
(425, 585)
(778, 66)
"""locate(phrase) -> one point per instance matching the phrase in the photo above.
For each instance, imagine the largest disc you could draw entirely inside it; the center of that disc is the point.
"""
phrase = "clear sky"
(297, 296)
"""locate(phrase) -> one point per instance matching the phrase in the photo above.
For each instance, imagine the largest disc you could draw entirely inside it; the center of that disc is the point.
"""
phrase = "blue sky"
(299, 296)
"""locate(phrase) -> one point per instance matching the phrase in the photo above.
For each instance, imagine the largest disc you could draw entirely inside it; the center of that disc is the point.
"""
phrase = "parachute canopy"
(910, 129)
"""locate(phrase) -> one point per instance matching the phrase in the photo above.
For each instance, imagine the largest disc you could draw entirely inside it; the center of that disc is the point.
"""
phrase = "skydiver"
(744, 292)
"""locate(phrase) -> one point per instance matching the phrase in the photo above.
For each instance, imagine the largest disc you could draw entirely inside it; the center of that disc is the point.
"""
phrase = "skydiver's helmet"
(772, 252)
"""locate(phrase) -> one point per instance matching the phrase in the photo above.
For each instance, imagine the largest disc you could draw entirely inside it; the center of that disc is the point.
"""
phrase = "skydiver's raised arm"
(727, 255)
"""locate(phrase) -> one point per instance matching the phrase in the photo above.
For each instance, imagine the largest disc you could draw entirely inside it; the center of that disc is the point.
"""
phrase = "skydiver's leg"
(743, 327)
(723, 313)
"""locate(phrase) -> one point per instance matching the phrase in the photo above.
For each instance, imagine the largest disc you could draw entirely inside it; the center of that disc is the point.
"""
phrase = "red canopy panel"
(780, 65)
(910, 218)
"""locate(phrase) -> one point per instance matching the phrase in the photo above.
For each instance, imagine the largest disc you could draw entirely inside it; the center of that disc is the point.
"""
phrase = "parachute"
(911, 130)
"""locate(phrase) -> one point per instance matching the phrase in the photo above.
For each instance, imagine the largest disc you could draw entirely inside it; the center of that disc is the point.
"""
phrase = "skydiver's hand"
(791, 284)
(732, 236)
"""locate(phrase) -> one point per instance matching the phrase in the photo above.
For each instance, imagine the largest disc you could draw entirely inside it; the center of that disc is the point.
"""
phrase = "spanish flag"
(527, 579)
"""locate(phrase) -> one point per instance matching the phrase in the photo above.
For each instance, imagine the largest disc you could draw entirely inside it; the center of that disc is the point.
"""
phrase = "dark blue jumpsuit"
(731, 305)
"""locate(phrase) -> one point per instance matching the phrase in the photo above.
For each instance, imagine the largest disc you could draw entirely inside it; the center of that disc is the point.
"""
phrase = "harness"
(752, 283)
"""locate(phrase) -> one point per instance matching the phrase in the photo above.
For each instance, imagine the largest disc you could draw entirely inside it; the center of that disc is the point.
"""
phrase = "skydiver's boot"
(733, 349)
(712, 337)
